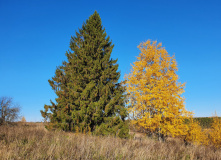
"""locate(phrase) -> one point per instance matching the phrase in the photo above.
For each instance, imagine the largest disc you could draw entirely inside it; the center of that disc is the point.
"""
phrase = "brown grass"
(35, 142)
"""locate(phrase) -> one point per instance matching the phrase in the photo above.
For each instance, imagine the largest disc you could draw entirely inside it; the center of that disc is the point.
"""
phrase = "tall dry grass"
(35, 142)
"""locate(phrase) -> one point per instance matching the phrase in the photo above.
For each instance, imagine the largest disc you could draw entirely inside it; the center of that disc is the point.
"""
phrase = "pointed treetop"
(95, 16)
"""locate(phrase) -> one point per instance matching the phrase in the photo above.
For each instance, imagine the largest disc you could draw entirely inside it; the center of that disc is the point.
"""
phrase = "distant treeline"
(205, 122)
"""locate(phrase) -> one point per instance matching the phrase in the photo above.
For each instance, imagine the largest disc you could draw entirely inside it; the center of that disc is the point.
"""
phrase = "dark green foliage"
(115, 127)
(205, 122)
(89, 95)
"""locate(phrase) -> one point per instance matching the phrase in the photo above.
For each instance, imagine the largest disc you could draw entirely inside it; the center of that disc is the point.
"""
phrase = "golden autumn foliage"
(195, 134)
(23, 119)
(215, 132)
(154, 93)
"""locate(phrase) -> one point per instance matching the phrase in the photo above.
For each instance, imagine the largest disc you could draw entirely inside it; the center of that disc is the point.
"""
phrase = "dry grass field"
(33, 141)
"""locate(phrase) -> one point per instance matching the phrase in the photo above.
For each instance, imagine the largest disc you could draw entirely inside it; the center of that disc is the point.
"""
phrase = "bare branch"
(9, 111)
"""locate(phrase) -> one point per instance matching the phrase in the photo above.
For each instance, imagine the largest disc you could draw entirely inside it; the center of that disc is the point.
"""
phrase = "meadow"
(33, 141)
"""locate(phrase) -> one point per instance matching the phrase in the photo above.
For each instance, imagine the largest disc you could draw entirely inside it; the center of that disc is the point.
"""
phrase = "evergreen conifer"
(89, 97)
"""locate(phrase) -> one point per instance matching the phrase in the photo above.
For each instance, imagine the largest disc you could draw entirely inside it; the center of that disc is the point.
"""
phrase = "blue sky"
(35, 34)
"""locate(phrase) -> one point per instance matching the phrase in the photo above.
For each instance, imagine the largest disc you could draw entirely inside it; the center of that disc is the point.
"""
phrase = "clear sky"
(35, 34)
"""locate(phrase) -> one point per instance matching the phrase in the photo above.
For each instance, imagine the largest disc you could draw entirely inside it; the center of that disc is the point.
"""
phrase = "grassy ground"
(33, 141)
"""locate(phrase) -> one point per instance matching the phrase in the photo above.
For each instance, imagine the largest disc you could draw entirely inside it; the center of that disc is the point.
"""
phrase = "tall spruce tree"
(89, 97)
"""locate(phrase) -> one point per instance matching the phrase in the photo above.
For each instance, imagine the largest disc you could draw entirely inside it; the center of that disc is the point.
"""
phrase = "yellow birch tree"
(215, 133)
(23, 119)
(154, 93)
(195, 134)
